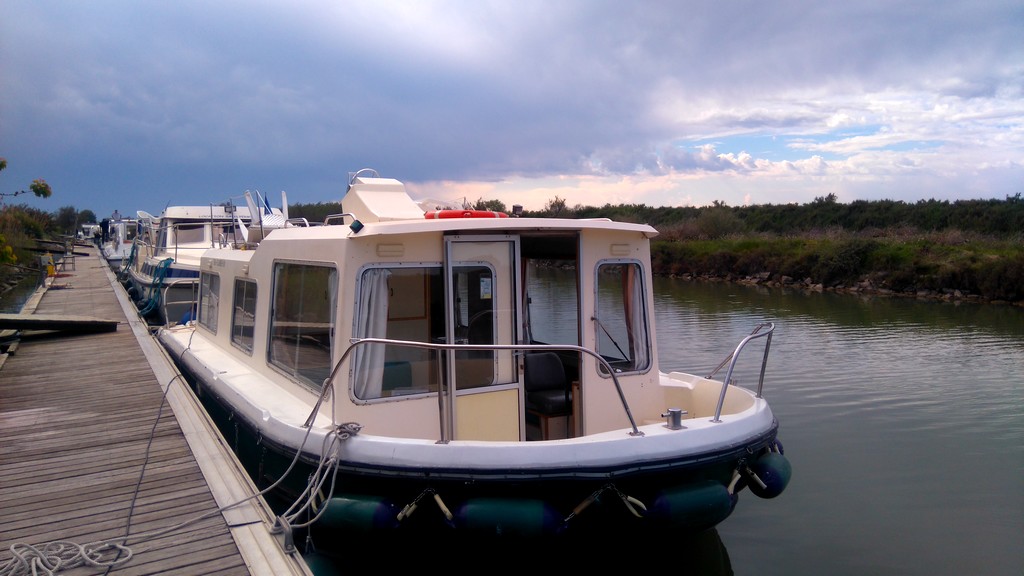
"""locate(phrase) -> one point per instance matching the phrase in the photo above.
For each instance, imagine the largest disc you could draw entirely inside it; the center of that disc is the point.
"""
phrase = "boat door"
(481, 281)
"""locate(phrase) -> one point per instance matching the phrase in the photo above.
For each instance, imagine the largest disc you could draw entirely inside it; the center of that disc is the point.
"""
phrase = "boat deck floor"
(101, 439)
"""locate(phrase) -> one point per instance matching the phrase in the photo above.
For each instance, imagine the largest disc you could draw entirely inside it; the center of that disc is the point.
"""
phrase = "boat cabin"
(296, 307)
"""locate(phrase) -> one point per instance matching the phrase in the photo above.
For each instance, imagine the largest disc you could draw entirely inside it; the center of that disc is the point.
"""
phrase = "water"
(12, 301)
(903, 420)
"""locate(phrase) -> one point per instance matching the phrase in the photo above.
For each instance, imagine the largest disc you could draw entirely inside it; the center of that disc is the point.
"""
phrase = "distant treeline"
(965, 249)
(993, 218)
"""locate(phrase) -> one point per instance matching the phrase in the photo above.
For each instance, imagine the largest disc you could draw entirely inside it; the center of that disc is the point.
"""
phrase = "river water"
(903, 420)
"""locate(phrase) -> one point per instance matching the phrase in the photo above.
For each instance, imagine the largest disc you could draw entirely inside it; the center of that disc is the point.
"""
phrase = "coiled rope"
(52, 558)
(55, 557)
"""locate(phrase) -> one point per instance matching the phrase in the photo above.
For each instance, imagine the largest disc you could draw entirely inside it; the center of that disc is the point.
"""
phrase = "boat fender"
(508, 517)
(359, 513)
(769, 474)
(694, 506)
(438, 214)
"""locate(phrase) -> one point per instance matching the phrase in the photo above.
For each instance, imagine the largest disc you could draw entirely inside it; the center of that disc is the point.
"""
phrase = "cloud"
(148, 103)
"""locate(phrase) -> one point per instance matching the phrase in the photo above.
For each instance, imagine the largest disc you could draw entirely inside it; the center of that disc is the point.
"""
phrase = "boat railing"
(517, 348)
(175, 309)
(731, 359)
(337, 219)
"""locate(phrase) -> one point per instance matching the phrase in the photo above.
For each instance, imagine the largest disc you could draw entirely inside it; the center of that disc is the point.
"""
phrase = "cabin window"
(474, 305)
(243, 314)
(225, 234)
(621, 316)
(209, 300)
(189, 234)
(302, 321)
(401, 303)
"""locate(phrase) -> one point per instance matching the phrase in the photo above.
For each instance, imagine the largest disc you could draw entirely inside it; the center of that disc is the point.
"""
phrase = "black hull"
(685, 497)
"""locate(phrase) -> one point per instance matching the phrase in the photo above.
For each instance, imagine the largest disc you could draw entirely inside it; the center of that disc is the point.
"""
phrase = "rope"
(122, 274)
(634, 505)
(326, 469)
(51, 558)
(154, 289)
(55, 557)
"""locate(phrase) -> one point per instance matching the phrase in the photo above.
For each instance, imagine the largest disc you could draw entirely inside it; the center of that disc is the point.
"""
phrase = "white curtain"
(371, 322)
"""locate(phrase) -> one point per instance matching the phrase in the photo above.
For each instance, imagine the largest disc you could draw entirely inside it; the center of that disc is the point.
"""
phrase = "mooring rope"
(51, 558)
(54, 557)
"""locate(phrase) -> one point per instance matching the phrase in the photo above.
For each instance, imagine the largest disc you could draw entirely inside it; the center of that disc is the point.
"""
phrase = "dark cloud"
(189, 102)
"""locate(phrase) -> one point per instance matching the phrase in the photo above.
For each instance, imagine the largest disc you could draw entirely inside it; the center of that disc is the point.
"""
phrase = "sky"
(136, 105)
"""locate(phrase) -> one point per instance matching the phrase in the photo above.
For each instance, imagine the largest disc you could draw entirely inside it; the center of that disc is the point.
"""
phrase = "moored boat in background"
(117, 248)
(384, 374)
(162, 269)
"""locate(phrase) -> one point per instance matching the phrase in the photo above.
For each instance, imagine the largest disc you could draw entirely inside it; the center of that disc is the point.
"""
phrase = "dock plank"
(92, 445)
(75, 324)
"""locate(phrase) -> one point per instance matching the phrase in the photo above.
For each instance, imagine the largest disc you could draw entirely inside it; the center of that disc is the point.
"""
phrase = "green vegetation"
(21, 227)
(936, 264)
(964, 249)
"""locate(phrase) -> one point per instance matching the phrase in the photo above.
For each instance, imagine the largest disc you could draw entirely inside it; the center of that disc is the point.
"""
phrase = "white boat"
(161, 271)
(389, 374)
(121, 233)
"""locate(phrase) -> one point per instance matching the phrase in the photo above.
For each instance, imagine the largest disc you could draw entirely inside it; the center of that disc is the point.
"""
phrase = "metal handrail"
(191, 302)
(330, 218)
(328, 382)
(732, 364)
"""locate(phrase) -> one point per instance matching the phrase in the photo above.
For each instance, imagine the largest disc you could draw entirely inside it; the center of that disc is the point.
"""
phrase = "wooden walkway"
(93, 449)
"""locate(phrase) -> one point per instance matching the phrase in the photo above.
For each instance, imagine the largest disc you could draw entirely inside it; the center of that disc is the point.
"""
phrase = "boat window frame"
(208, 309)
(283, 328)
(640, 291)
(247, 308)
(359, 386)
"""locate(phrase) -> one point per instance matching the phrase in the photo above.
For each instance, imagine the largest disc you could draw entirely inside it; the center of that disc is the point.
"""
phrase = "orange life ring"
(436, 214)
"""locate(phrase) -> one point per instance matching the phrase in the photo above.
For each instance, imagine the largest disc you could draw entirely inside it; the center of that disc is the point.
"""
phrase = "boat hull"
(164, 295)
(686, 494)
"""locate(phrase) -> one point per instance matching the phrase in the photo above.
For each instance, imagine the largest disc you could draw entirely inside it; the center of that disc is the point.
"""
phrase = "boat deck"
(100, 438)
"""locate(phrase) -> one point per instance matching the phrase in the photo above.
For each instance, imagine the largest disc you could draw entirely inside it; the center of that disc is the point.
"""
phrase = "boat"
(161, 271)
(117, 247)
(396, 373)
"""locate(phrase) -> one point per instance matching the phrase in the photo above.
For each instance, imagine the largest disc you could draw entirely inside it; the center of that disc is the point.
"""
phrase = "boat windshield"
(621, 316)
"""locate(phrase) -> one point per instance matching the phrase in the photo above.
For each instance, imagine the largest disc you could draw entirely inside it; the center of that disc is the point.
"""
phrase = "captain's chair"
(548, 394)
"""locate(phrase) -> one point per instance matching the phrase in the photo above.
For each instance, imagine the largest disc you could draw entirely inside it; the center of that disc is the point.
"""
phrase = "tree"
(492, 205)
(556, 207)
(39, 187)
(67, 220)
(86, 216)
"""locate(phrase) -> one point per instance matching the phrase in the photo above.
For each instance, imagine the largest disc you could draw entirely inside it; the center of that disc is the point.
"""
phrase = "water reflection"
(701, 554)
(839, 310)
(903, 420)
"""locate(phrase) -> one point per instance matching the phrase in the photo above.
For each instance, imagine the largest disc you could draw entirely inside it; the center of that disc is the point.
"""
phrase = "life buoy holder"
(438, 214)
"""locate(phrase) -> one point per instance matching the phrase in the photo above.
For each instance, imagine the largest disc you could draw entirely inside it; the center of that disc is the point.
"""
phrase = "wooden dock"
(102, 441)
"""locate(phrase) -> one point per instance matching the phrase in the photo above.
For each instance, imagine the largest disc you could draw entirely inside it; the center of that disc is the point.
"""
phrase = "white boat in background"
(385, 375)
(162, 269)
(121, 233)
